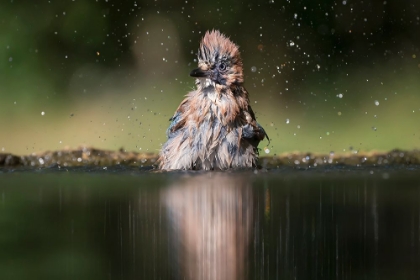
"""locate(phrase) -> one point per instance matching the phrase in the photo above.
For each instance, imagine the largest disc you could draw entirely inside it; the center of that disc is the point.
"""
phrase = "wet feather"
(214, 127)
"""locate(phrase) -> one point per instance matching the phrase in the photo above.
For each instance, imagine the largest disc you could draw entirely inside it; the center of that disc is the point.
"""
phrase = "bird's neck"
(204, 83)
(215, 100)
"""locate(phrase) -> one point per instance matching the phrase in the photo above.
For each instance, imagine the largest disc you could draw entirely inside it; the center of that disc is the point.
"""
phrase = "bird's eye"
(222, 66)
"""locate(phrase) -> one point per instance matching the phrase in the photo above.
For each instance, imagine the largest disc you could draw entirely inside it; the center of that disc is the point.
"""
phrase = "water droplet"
(42, 113)
(287, 121)
(376, 102)
(253, 69)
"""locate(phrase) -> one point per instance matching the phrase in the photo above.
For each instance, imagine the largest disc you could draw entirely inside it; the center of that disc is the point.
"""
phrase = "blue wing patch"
(174, 120)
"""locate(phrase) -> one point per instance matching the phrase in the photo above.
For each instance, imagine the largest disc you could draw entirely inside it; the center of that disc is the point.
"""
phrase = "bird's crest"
(215, 45)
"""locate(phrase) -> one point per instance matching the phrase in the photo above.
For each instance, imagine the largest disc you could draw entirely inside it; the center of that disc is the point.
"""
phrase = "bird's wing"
(251, 112)
(174, 121)
(253, 130)
(262, 131)
(178, 119)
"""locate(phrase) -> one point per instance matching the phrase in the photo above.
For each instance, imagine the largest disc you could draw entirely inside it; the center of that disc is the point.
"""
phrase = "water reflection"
(211, 217)
(290, 225)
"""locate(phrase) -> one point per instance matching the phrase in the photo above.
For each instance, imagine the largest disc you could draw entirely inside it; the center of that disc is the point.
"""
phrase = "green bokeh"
(110, 74)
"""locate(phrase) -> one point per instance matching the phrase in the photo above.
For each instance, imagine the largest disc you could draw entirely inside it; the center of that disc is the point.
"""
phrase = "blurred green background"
(323, 75)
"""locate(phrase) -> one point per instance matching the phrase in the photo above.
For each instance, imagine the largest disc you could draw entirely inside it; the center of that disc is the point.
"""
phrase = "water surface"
(128, 223)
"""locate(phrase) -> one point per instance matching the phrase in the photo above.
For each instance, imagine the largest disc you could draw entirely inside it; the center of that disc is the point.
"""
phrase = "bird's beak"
(199, 73)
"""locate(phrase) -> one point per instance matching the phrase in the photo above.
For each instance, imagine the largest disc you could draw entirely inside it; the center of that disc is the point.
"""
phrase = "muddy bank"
(91, 156)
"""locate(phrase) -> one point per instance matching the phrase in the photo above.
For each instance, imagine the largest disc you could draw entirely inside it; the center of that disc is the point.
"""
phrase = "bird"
(214, 127)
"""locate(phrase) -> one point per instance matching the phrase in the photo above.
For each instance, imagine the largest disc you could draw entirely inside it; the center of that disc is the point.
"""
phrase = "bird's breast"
(215, 104)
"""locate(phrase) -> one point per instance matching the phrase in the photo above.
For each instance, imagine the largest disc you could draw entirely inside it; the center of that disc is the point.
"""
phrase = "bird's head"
(219, 61)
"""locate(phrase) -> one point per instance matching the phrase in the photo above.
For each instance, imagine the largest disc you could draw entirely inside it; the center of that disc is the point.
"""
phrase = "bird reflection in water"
(211, 217)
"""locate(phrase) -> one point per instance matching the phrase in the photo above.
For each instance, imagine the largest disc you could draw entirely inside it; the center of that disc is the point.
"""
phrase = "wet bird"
(214, 127)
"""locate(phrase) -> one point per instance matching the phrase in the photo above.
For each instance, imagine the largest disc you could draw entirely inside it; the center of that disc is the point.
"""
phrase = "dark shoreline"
(86, 156)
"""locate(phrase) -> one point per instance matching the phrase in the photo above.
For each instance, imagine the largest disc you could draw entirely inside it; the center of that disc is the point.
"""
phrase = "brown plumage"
(214, 127)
